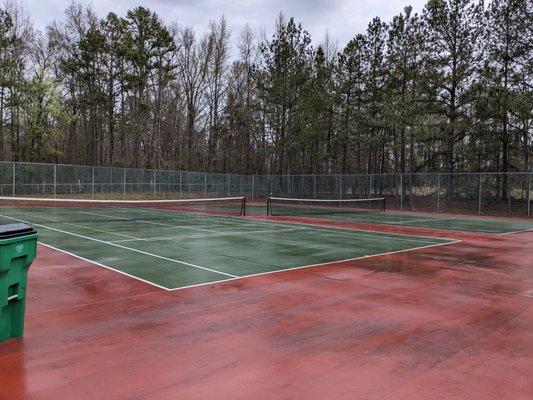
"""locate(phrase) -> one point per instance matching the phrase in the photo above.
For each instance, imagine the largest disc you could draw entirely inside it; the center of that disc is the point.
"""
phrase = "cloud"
(342, 19)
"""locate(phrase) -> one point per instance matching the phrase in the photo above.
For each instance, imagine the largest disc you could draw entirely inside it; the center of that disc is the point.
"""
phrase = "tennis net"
(36, 210)
(289, 206)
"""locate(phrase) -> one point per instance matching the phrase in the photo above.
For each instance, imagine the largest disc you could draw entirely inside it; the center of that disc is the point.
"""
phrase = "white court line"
(317, 228)
(149, 222)
(427, 221)
(353, 230)
(357, 232)
(197, 228)
(105, 266)
(126, 248)
(222, 234)
(411, 221)
(521, 231)
(78, 225)
(260, 273)
(319, 264)
(232, 277)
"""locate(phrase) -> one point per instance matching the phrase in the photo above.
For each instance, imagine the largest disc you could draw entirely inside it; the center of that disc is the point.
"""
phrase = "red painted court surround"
(451, 322)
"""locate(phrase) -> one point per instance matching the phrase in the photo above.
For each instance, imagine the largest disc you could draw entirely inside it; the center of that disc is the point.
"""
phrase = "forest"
(445, 90)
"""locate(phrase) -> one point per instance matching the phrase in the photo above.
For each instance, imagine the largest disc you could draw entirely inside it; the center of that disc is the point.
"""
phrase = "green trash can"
(18, 245)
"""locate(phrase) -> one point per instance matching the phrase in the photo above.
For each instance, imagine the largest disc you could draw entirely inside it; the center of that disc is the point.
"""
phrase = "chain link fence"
(503, 194)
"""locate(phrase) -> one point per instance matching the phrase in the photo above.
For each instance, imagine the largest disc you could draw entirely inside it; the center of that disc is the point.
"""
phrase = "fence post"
(528, 195)
(55, 180)
(438, 192)
(124, 183)
(92, 185)
(205, 185)
(253, 188)
(411, 191)
(181, 173)
(229, 184)
(370, 185)
(154, 184)
(14, 177)
(340, 187)
(508, 193)
(314, 186)
(479, 193)
(401, 191)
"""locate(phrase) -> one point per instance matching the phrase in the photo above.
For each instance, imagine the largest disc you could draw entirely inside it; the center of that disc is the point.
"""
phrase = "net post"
(55, 179)
(14, 177)
(438, 192)
(269, 206)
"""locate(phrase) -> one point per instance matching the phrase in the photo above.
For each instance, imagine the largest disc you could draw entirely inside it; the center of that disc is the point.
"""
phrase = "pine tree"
(351, 72)
(285, 68)
(453, 29)
(148, 51)
(405, 108)
(508, 53)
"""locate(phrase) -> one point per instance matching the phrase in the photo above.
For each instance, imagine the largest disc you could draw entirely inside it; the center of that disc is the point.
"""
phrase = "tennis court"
(262, 296)
(181, 247)
(373, 211)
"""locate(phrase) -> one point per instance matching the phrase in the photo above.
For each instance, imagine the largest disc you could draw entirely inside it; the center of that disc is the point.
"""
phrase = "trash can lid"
(14, 230)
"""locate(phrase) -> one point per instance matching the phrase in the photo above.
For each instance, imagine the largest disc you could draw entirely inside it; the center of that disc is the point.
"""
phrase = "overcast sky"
(341, 18)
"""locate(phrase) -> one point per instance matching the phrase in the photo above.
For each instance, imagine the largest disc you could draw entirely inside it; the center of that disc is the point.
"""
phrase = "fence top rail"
(146, 170)
(404, 174)
(271, 176)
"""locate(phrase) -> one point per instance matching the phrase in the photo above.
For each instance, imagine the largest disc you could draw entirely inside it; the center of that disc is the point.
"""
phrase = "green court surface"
(446, 221)
(173, 250)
